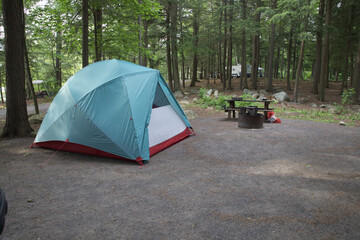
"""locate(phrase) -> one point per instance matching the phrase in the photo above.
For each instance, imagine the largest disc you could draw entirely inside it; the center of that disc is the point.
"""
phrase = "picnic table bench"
(232, 108)
(41, 94)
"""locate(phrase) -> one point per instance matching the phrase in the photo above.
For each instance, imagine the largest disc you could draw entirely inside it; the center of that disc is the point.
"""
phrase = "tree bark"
(225, 45)
(196, 43)
(168, 49)
(317, 68)
(57, 59)
(324, 52)
(243, 75)
(175, 65)
(229, 62)
(271, 53)
(345, 74)
(30, 84)
(220, 66)
(98, 32)
(17, 124)
(182, 48)
(300, 62)
(85, 33)
(1, 93)
(255, 51)
(356, 80)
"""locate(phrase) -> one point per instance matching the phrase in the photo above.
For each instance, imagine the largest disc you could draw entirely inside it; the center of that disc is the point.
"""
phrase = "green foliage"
(347, 97)
(220, 102)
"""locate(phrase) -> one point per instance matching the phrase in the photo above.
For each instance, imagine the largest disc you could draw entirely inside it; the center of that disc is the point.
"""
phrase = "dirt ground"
(295, 180)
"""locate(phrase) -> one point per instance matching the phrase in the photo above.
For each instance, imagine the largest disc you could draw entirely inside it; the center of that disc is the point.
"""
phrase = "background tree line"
(290, 39)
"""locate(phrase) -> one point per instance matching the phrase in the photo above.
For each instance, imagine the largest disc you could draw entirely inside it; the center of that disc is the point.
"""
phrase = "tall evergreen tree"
(16, 124)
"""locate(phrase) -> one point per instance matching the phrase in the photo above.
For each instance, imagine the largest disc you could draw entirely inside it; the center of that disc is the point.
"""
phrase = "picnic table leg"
(231, 105)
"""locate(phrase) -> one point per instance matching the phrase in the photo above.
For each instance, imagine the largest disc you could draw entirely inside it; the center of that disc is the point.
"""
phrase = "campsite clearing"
(297, 180)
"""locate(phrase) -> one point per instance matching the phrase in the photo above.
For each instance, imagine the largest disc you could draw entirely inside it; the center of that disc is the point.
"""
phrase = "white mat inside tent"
(164, 124)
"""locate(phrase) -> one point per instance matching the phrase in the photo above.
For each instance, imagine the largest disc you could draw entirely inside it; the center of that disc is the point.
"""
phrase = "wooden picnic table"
(232, 108)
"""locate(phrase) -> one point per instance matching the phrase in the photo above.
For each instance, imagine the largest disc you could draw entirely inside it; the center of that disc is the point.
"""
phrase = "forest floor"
(294, 180)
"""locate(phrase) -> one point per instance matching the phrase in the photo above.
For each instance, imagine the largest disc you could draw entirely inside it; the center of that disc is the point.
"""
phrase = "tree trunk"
(220, 70)
(356, 80)
(29, 78)
(196, 43)
(16, 124)
(30, 84)
(175, 65)
(57, 59)
(85, 33)
(255, 51)
(168, 49)
(229, 63)
(98, 32)
(271, 53)
(299, 70)
(182, 48)
(317, 68)
(288, 76)
(1, 93)
(225, 45)
(324, 53)
(300, 62)
(140, 39)
(146, 42)
(243, 75)
(345, 74)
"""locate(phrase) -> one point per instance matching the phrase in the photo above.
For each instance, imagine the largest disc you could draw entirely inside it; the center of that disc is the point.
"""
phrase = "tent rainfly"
(114, 109)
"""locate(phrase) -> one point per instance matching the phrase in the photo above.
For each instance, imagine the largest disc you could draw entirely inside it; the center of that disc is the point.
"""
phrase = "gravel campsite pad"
(295, 180)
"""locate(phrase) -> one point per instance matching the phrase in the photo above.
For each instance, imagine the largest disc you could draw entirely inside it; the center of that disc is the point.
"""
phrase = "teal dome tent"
(114, 109)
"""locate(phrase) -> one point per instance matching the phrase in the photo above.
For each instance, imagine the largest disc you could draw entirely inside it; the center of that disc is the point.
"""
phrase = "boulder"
(263, 92)
(313, 105)
(281, 96)
(178, 94)
(190, 114)
(245, 91)
(195, 100)
(184, 102)
(216, 94)
(37, 118)
(303, 100)
(208, 93)
(342, 123)
(323, 106)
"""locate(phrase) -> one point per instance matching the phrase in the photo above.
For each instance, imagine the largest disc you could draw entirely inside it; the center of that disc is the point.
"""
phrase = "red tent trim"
(82, 149)
(171, 141)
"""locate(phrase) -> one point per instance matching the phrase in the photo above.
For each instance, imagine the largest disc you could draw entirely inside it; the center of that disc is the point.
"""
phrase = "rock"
(178, 94)
(190, 114)
(342, 123)
(281, 96)
(195, 100)
(216, 94)
(38, 118)
(245, 91)
(186, 98)
(313, 105)
(303, 100)
(323, 106)
(184, 102)
(208, 93)
(263, 92)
